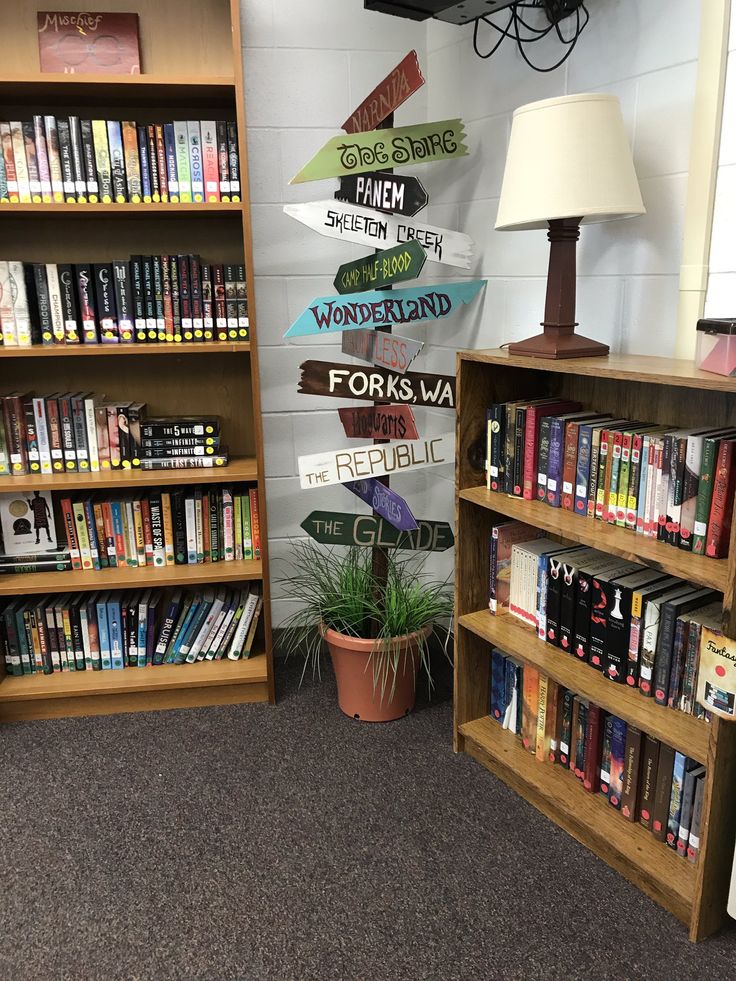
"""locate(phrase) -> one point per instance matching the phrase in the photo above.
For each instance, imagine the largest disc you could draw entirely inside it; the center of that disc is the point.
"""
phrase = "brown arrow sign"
(376, 384)
(379, 422)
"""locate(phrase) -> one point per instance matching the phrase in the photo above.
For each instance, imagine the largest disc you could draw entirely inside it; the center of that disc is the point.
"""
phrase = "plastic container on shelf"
(716, 346)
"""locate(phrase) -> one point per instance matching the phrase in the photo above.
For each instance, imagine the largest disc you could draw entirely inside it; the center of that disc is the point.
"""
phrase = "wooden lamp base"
(558, 342)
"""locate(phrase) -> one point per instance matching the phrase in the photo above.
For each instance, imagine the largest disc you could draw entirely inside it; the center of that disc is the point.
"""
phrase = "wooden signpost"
(404, 146)
(335, 528)
(332, 314)
(385, 503)
(386, 350)
(348, 222)
(376, 384)
(379, 422)
(385, 192)
(387, 96)
(372, 272)
(357, 462)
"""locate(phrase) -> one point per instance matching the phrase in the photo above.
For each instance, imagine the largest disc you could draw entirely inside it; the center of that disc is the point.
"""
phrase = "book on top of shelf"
(81, 42)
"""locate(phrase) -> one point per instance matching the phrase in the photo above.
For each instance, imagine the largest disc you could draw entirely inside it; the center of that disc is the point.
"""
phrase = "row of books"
(638, 626)
(73, 160)
(675, 485)
(115, 630)
(83, 432)
(644, 779)
(144, 299)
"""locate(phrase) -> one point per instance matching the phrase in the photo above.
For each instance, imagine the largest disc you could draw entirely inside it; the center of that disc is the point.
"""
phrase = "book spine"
(569, 466)
(223, 160)
(529, 711)
(89, 161)
(693, 846)
(145, 165)
(183, 169)
(687, 699)
(134, 183)
(554, 470)
(162, 162)
(123, 300)
(255, 519)
(87, 311)
(208, 309)
(582, 469)
(618, 747)
(117, 160)
(605, 769)
(103, 163)
(519, 429)
(210, 165)
(642, 488)
(80, 179)
(153, 162)
(719, 520)
(42, 156)
(677, 669)
(664, 497)
(593, 737)
(67, 161)
(196, 167)
(676, 794)
(497, 425)
(69, 309)
(234, 161)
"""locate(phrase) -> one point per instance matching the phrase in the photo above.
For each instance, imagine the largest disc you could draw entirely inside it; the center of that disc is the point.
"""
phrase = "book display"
(128, 485)
(591, 636)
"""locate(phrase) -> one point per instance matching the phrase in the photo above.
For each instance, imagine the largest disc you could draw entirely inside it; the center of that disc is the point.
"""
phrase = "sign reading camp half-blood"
(386, 350)
(401, 195)
(384, 502)
(358, 462)
(404, 146)
(332, 314)
(387, 96)
(379, 422)
(334, 528)
(376, 384)
(372, 272)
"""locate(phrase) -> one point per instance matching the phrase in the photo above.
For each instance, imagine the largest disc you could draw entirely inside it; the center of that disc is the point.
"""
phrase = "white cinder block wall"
(308, 64)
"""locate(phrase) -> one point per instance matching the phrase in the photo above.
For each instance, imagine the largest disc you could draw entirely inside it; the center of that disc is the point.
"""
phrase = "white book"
(129, 526)
(42, 434)
(51, 633)
(21, 165)
(21, 313)
(191, 530)
(238, 641)
(55, 307)
(52, 148)
(91, 427)
(228, 613)
(85, 637)
(7, 310)
(198, 528)
(206, 628)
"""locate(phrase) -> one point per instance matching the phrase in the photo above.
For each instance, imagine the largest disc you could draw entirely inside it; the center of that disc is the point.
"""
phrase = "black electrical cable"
(516, 25)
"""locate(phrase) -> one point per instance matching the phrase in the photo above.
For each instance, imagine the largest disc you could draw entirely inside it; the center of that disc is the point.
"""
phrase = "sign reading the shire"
(348, 222)
(376, 384)
(385, 502)
(379, 422)
(386, 192)
(386, 350)
(331, 528)
(340, 466)
(372, 272)
(387, 96)
(381, 149)
(331, 314)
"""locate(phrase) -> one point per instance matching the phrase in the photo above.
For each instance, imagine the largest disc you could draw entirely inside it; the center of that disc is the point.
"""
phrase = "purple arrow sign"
(385, 502)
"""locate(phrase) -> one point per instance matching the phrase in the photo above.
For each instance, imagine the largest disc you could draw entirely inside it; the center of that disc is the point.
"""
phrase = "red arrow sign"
(388, 95)
(379, 422)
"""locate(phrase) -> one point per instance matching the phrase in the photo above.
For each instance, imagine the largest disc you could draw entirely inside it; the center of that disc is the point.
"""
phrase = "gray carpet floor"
(291, 842)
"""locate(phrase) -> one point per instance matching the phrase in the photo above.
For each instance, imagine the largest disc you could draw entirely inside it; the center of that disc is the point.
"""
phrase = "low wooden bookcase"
(657, 389)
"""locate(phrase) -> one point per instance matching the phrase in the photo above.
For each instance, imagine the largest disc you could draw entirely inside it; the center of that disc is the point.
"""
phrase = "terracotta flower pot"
(351, 659)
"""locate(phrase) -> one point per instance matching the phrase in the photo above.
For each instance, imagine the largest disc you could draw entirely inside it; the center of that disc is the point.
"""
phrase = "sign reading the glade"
(385, 502)
(376, 384)
(376, 347)
(387, 96)
(335, 528)
(379, 422)
(386, 192)
(372, 272)
(403, 146)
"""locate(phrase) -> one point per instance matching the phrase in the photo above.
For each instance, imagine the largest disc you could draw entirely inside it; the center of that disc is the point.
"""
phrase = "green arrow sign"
(380, 149)
(396, 265)
(334, 528)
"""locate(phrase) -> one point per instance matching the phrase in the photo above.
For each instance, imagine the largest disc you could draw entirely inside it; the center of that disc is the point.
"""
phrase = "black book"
(149, 298)
(75, 622)
(195, 287)
(80, 175)
(69, 306)
(231, 302)
(88, 157)
(584, 599)
(65, 156)
(553, 595)
(175, 296)
(185, 298)
(215, 510)
(233, 162)
(572, 563)
(619, 594)
(123, 298)
(161, 428)
(153, 162)
(599, 610)
(126, 455)
(208, 306)
(158, 297)
(178, 520)
(545, 427)
(105, 302)
(131, 631)
(677, 478)
(68, 443)
(243, 321)
(31, 436)
(138, 297)
(497, 425)
(669, 613)
(79, 423)
(223, 160)
(518, 477)
(39, 304)
(87, 305)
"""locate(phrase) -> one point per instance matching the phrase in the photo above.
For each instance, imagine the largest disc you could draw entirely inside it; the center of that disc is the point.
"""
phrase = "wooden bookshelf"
(191, 55)
(664, 391)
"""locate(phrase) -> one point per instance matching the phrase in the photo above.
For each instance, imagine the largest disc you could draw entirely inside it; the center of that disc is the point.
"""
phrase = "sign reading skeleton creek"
(403, 146)
(397, 193)
(335, 528)
(387, 96)
(355, 463)
(376, 384)
(348, 222)
(372, 272)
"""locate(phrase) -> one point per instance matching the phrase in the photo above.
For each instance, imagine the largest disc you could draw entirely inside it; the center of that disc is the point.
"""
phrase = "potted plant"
(376, 626)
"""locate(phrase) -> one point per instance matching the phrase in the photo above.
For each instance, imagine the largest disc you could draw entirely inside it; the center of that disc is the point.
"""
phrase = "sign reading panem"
(348, 222)
(372, 272)
(381, 149)
(335, 528)
(386, 192)
(384, 502)
(387, 96)
(376, 384)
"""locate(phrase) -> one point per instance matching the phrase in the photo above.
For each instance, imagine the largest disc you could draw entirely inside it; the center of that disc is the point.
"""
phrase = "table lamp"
(568, 162)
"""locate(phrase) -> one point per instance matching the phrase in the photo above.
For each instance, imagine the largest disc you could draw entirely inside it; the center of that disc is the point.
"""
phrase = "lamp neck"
(559, 310)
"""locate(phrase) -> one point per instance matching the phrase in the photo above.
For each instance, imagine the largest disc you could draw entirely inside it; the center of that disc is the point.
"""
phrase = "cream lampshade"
(568, 162)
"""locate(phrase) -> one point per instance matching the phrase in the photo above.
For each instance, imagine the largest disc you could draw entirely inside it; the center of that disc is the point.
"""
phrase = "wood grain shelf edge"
(116, 350)
(238, 469)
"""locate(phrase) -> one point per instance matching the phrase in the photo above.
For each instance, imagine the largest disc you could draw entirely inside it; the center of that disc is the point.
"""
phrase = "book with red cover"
(593, 740)
(82, 42)
(530, 708)
(534, 414)
(721, 508)
(663, 789)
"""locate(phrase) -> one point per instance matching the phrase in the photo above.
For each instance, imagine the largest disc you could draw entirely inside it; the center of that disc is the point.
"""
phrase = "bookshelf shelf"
(113, 210)
(664, 391)
(618, 541)
(117, 350)
(684, 732)
(147, 88)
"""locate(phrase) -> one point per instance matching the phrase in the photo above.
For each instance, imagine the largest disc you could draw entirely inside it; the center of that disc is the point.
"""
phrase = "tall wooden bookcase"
(191, 59)
(660, 390)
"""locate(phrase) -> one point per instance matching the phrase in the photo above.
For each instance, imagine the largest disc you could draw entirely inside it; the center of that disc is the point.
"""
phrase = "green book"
(705, 491)
(238, 525)
(181, 139)
(247, 529)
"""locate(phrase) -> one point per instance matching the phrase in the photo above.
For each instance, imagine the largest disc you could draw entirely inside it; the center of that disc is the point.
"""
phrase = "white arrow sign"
(358, 463)
(337, 219)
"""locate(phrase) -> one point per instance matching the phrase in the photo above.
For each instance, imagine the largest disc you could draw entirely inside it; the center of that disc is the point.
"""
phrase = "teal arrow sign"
(332, 314)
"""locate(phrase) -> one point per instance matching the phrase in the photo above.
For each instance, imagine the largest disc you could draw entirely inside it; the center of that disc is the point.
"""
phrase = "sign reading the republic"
(376, 384)
(381, 149)
(358, 462)
(384, 502)
(332, 314)
(335, 528)
(387, 96)
(348, 222)
(372, 272)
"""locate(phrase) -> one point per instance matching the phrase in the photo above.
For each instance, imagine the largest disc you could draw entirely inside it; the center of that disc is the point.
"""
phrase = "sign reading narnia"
(334, 528)
(348, 222)
(331, 314)
(357, 462)
(379, 422)
(386, 192)
(376, 384)
(387, 96)
(376, 347)
(386, 503)
(381, 149)
(372, 272)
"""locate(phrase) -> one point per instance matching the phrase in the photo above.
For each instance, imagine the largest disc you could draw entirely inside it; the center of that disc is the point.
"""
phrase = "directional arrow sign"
(386, 192)
(332, 314)
(372, 272)
(376, 384)
(380, 149)
(379, 422)
(348, 222)
(386, 350)
(384, 501)
(334, 528)
(339, 466)
(387, 96)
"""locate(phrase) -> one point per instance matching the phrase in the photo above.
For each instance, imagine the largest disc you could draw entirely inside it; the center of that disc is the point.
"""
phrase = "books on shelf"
(674, 485)
(50, 159)
(80, 432)
(117, 630)
(645, 780)
(142, 299)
